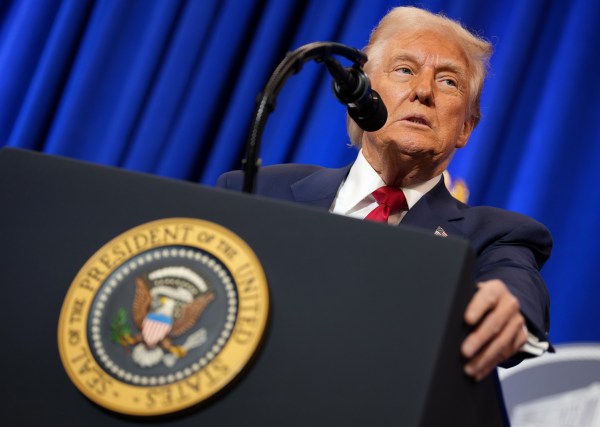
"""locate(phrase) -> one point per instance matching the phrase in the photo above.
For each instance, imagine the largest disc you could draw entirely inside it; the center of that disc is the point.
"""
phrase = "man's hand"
(499, 331)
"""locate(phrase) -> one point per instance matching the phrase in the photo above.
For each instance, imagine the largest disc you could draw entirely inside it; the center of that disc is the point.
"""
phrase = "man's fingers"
(503, 346)
(486, 297)
(499, 328)
(492, 324)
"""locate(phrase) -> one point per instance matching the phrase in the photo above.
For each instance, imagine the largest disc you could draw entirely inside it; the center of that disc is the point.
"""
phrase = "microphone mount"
(351, 86)
(292, 64)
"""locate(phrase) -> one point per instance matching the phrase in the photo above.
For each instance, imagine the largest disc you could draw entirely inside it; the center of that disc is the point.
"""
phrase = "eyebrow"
(446, 65)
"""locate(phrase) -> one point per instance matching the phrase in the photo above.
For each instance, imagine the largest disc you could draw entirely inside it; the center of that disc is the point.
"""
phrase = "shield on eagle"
(155, 328)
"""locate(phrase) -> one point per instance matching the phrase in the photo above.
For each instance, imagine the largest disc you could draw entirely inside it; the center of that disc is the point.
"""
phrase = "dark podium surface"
(365, 322)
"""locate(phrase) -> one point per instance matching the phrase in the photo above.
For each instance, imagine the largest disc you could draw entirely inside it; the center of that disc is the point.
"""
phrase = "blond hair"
(410, 19)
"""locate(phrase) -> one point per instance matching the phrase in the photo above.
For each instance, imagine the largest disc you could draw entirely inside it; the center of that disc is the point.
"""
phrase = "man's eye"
(404, 70)
(450, 82)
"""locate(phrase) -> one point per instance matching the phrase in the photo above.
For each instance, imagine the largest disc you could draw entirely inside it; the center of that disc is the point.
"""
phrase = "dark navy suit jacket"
(508, 246)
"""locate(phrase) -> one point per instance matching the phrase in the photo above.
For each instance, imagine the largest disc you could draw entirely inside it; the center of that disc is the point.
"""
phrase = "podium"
(364, 326)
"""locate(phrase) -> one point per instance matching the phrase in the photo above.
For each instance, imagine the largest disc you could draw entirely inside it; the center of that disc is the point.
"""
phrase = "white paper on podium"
(575, 408)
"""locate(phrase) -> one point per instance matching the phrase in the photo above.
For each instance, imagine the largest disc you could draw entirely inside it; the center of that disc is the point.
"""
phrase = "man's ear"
(465, 132)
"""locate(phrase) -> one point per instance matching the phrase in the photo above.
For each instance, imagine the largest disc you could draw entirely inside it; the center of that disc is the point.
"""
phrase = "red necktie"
(390, 199)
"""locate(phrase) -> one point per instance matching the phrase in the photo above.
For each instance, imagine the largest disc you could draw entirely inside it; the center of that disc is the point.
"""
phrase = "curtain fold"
(168, 87)
(168, 97)
(210, 92)
(22, 43)
(37, 110)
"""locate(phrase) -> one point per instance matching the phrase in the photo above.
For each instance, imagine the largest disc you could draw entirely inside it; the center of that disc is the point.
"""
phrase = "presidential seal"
(163, 317)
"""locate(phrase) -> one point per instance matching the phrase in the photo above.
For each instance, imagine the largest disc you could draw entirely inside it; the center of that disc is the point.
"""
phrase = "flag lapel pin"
(440, 232)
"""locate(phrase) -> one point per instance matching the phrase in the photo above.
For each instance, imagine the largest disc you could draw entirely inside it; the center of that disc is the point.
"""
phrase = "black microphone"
(351, 86)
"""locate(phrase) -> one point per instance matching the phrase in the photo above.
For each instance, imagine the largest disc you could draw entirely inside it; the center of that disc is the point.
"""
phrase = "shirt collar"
(362, 180)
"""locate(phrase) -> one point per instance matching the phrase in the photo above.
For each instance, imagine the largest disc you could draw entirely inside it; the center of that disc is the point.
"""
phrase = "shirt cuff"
(534, 346)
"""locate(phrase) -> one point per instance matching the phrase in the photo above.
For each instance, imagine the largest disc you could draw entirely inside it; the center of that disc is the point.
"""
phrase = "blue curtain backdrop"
(168, 87)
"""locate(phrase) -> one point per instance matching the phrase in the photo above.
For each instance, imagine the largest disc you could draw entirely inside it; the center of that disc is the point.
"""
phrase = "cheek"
(392, 93)
(454, 113)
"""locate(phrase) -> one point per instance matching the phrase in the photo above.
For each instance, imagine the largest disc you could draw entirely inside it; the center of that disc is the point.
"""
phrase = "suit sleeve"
(230, 180)
(515, 255)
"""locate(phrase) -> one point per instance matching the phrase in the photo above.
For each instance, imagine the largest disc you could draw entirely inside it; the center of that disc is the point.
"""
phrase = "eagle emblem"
(166, 305)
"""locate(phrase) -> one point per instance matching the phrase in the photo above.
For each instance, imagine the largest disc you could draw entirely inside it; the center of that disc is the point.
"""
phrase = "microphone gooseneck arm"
(349, 83)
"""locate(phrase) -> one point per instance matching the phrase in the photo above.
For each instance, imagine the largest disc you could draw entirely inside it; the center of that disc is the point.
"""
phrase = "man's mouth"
(417, 119)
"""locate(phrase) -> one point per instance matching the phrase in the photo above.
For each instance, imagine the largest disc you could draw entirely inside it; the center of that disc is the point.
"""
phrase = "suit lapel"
(319, 188)
(436, 209)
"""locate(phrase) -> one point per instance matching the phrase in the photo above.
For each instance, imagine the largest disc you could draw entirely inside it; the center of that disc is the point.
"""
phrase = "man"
(429, 72)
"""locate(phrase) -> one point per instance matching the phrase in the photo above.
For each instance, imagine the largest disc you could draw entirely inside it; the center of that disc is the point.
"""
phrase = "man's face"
(422, 78)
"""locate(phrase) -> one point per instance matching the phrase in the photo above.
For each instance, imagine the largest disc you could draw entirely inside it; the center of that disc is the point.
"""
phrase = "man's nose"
(422, 88)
